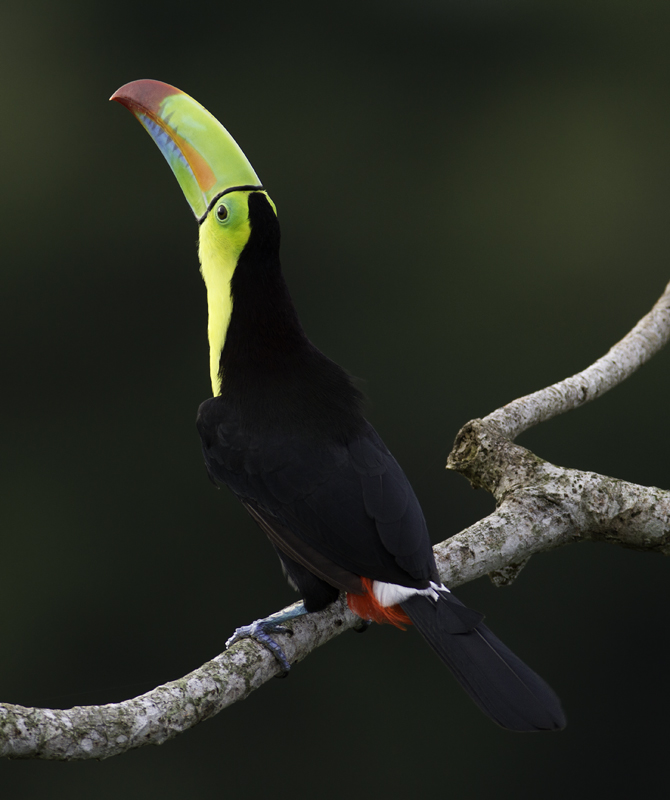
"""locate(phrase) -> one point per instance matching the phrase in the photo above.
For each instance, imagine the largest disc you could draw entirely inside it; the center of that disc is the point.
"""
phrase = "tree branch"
(644, 341)
(540, 506)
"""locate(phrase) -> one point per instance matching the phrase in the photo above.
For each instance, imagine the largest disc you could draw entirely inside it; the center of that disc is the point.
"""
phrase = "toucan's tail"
(499, 682)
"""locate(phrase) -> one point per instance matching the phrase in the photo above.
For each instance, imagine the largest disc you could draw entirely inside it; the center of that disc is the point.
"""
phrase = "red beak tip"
(144, 94)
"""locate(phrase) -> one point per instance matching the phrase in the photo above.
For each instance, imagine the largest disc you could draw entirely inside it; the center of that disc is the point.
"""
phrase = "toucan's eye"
(222, 213)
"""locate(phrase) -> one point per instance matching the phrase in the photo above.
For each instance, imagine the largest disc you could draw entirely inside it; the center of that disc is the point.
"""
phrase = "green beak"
(204, 157)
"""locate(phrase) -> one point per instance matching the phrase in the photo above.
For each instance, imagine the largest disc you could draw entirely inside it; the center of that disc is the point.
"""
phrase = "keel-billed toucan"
(285, 431)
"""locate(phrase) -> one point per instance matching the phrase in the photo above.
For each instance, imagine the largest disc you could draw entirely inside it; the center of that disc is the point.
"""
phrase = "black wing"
(322, 502)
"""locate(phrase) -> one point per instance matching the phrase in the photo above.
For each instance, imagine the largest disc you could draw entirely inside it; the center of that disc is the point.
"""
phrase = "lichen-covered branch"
(86, 732)
(539, 506)
(637, 347)
(542, 506)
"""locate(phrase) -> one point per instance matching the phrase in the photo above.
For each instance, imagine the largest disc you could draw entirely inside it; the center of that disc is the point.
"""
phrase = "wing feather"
(348, 503)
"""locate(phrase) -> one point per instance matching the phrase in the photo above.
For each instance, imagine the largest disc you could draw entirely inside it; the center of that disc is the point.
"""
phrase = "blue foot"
(261, 629)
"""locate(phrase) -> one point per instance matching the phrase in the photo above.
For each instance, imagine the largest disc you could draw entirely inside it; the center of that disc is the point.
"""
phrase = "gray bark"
(649, 335)
(539, 506)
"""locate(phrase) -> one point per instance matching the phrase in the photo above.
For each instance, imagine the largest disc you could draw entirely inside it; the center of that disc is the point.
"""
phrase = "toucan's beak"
(204, 157)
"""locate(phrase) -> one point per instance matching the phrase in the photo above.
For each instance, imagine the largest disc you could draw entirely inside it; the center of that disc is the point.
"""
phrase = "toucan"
(285, 431)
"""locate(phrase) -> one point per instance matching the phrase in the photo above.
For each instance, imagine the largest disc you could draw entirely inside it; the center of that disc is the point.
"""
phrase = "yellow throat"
(219, 250)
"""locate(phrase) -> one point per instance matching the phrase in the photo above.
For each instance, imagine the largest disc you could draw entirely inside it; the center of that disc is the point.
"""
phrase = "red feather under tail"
(368, 607)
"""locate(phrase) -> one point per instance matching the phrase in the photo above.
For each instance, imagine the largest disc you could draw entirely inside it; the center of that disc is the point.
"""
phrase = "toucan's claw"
(261, 629)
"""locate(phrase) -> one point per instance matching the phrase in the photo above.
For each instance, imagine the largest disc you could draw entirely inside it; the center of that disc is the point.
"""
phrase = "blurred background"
(474, 199)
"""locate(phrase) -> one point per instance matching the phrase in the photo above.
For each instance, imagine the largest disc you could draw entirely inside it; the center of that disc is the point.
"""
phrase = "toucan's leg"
(261, 629)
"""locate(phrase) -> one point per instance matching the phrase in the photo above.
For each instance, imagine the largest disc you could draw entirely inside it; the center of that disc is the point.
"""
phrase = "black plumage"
(288, 437)
(497, 680)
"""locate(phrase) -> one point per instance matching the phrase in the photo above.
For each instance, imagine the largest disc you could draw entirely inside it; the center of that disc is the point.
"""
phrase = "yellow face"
(223, 236)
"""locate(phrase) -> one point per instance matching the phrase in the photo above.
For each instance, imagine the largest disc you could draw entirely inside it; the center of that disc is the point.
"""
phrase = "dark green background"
(474, 199)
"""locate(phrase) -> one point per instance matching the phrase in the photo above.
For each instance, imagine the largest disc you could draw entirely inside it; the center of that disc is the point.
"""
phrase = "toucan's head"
(217, 180)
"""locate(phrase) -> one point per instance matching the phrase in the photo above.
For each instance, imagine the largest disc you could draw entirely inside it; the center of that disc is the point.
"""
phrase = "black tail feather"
(500, 683)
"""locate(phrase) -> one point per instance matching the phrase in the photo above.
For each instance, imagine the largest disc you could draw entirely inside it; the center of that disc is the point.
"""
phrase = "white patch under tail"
(390, 594)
